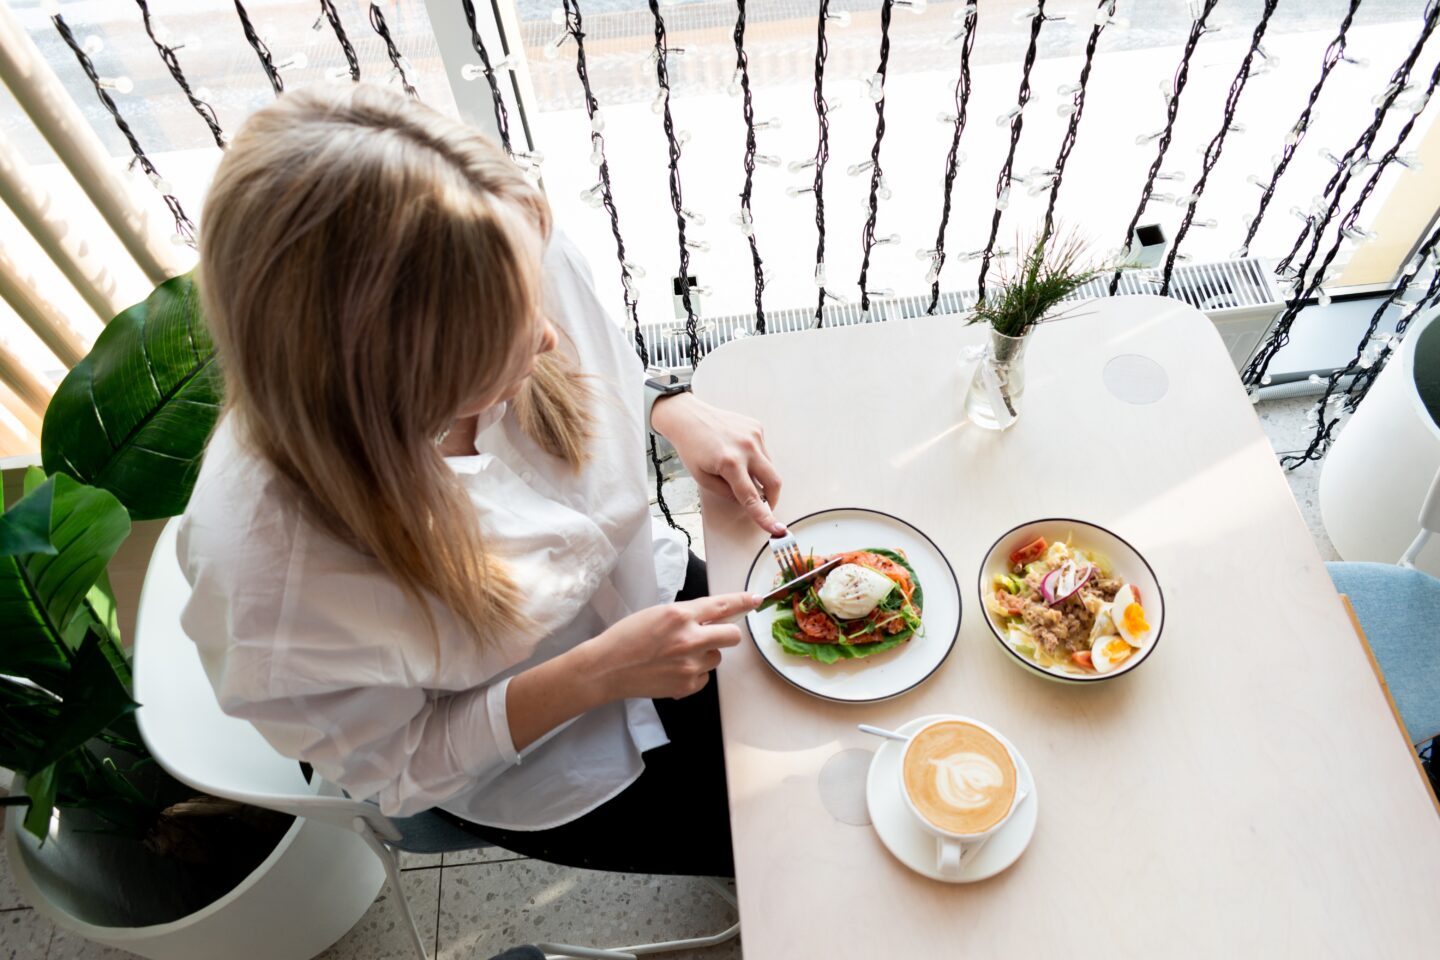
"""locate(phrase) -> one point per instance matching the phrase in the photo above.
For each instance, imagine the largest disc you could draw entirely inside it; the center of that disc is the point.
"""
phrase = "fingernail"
(754, 598)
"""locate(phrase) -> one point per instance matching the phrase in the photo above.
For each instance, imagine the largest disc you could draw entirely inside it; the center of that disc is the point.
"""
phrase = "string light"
(968, 17)
(1104, 17)
(822, 154)
(184, 227)
(745, 218)
(1217, 142)
(878, 188)
(1200, 10)
(1341, 180)
(1017, 124)
(399, 64)
(198, 99)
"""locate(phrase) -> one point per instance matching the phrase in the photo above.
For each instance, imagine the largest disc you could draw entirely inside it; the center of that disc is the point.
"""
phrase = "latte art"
(959, 777)
(967, 781)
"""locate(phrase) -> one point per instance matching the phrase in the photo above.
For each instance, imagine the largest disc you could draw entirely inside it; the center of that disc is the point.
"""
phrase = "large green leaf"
(93, 699)
(134, 415)
(41, 595)
(25, 527)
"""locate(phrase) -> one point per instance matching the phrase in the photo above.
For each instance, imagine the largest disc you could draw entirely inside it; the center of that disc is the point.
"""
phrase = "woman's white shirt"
(312, 642)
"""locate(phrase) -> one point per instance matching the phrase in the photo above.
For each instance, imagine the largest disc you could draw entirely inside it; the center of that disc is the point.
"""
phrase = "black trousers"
(674, 819)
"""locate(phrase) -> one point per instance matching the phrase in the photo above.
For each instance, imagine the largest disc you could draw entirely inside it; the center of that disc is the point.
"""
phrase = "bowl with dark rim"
(1125, 563)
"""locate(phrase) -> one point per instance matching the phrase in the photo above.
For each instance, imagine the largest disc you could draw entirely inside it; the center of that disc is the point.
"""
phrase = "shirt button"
(527, 476)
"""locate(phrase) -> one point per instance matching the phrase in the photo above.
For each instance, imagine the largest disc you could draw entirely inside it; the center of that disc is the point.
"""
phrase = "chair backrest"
(1429, 523)
(186, 731)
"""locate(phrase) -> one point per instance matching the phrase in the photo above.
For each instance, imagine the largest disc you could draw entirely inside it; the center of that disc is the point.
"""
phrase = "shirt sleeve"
(402, 747)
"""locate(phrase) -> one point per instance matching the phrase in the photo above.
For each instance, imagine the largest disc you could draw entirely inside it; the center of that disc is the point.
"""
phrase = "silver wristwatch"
(658, 385)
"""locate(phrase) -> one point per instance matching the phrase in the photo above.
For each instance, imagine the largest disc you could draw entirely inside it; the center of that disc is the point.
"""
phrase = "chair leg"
(558, 951)
(392, 874)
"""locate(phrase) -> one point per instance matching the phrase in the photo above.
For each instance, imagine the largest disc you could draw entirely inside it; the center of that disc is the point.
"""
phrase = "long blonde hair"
(369, 267)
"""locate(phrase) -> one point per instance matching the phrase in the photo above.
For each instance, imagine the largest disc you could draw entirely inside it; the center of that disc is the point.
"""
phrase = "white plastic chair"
(199, 745)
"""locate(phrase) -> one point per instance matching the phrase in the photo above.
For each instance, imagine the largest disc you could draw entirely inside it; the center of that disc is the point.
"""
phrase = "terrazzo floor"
(475, 904)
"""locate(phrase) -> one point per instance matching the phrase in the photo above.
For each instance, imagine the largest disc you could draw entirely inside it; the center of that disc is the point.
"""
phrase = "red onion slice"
(1064, 582)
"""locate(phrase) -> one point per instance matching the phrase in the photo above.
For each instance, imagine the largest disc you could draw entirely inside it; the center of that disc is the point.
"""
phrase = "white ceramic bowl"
(1125, 562)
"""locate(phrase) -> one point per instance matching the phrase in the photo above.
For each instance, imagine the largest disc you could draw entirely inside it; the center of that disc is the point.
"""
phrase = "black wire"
(1362, 377)
(867, 236)
(184, 228)
(1002, 182)
(1217, 142)
(1333, 54)
(172, 63)
(575, 27)
(1312, 280)
(378, 24)
(952, 159)
(662, 77)
(1068, 143)
(1344, 169)
(822, 152)
(333, 15)
(502, 116)
(1172, 110)
(742, 66)
(267, 62)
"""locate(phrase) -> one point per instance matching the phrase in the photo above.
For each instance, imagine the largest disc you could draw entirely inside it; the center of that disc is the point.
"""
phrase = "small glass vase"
(997, 385)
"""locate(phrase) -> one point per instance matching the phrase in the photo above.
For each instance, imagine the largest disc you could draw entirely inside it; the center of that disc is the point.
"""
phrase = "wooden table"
(1245, 793)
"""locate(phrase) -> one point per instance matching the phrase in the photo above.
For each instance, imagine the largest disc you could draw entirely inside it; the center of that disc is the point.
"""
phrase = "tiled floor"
(473, 905)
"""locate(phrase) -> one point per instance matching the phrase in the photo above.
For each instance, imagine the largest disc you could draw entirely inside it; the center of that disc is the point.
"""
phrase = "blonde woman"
(420, 546)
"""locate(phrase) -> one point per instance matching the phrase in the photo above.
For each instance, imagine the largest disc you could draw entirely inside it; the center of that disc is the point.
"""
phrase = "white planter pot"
(1377, 473)
(315, 885)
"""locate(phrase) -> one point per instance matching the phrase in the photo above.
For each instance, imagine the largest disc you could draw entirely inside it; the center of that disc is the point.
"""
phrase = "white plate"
(1127, 564)
(883, 675)
(913, 846)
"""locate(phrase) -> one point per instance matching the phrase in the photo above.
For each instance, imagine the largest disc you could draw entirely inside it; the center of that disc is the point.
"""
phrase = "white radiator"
(1241, 297)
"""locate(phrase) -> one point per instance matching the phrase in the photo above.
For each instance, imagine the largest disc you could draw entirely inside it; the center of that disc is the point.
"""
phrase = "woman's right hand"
(668, 650)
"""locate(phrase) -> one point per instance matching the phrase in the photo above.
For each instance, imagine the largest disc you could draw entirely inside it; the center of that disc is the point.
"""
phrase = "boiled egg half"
(1129, 617)
(1109, 652)
(852, 591)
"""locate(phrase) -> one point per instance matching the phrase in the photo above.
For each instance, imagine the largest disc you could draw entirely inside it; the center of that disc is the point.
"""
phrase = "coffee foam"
(959, 777)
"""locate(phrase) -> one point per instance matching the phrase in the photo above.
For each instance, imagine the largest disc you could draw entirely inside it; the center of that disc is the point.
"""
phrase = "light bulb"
(957, 37)
(1002, 202)
(890, 240)
(1065, 109)
(1145, 138)
(965, 12)
(737, 83)
(337, 74)
(557, 16)
(510, 61)
(597, 121)
(767, 159)
(297, 61)
(552, 49)
(1025, 13)
(916, 6)
(841, 18)
(855, 169)
(793, 192)
(1206, 224)
(699, 246)
(875, 87)
(118, 84)
(745, 222)
(597, 153)
(927, 254)
(472, 71)
(796, 166)
(883, 190)
(772, 124)
(883, 292)
(92, 45)
(1009, 115)
(1065, 89)
(698, 219)
(594, 196)
(945, 117)
(682, 137)
(1176, 175)
(160, 183)
(820, 274)
(658, 104)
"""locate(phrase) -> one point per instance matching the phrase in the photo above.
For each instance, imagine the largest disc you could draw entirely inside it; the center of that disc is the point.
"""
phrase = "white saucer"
(913, 846)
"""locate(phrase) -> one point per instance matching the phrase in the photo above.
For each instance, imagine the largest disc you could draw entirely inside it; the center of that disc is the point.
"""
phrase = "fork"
(787, 554)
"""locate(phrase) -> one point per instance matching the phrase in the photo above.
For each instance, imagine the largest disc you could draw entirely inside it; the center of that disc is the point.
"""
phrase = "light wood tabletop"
(1243, 793)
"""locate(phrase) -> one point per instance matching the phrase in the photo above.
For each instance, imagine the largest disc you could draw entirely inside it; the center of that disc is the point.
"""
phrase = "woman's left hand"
(725, 453)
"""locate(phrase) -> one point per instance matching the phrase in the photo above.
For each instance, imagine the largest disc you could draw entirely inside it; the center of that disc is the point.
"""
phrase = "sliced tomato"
(1029, 553)
(816, 624)
(1083, 658)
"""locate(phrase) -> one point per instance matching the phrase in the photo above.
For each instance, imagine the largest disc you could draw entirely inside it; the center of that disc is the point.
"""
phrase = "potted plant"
(1050, 271)
(99, 838)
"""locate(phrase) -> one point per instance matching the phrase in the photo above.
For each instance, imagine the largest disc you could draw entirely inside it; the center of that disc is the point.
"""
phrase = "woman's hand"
(725, 453)
(666, 651)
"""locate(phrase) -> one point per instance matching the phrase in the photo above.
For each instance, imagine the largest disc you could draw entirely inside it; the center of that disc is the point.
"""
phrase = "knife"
(785, 588)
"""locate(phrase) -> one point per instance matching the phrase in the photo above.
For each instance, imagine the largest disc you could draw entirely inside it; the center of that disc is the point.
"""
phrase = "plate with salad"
(1071, 601)
(872, 628)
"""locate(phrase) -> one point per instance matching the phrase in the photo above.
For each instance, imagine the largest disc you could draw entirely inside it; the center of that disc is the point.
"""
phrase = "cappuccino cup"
(961, 781)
